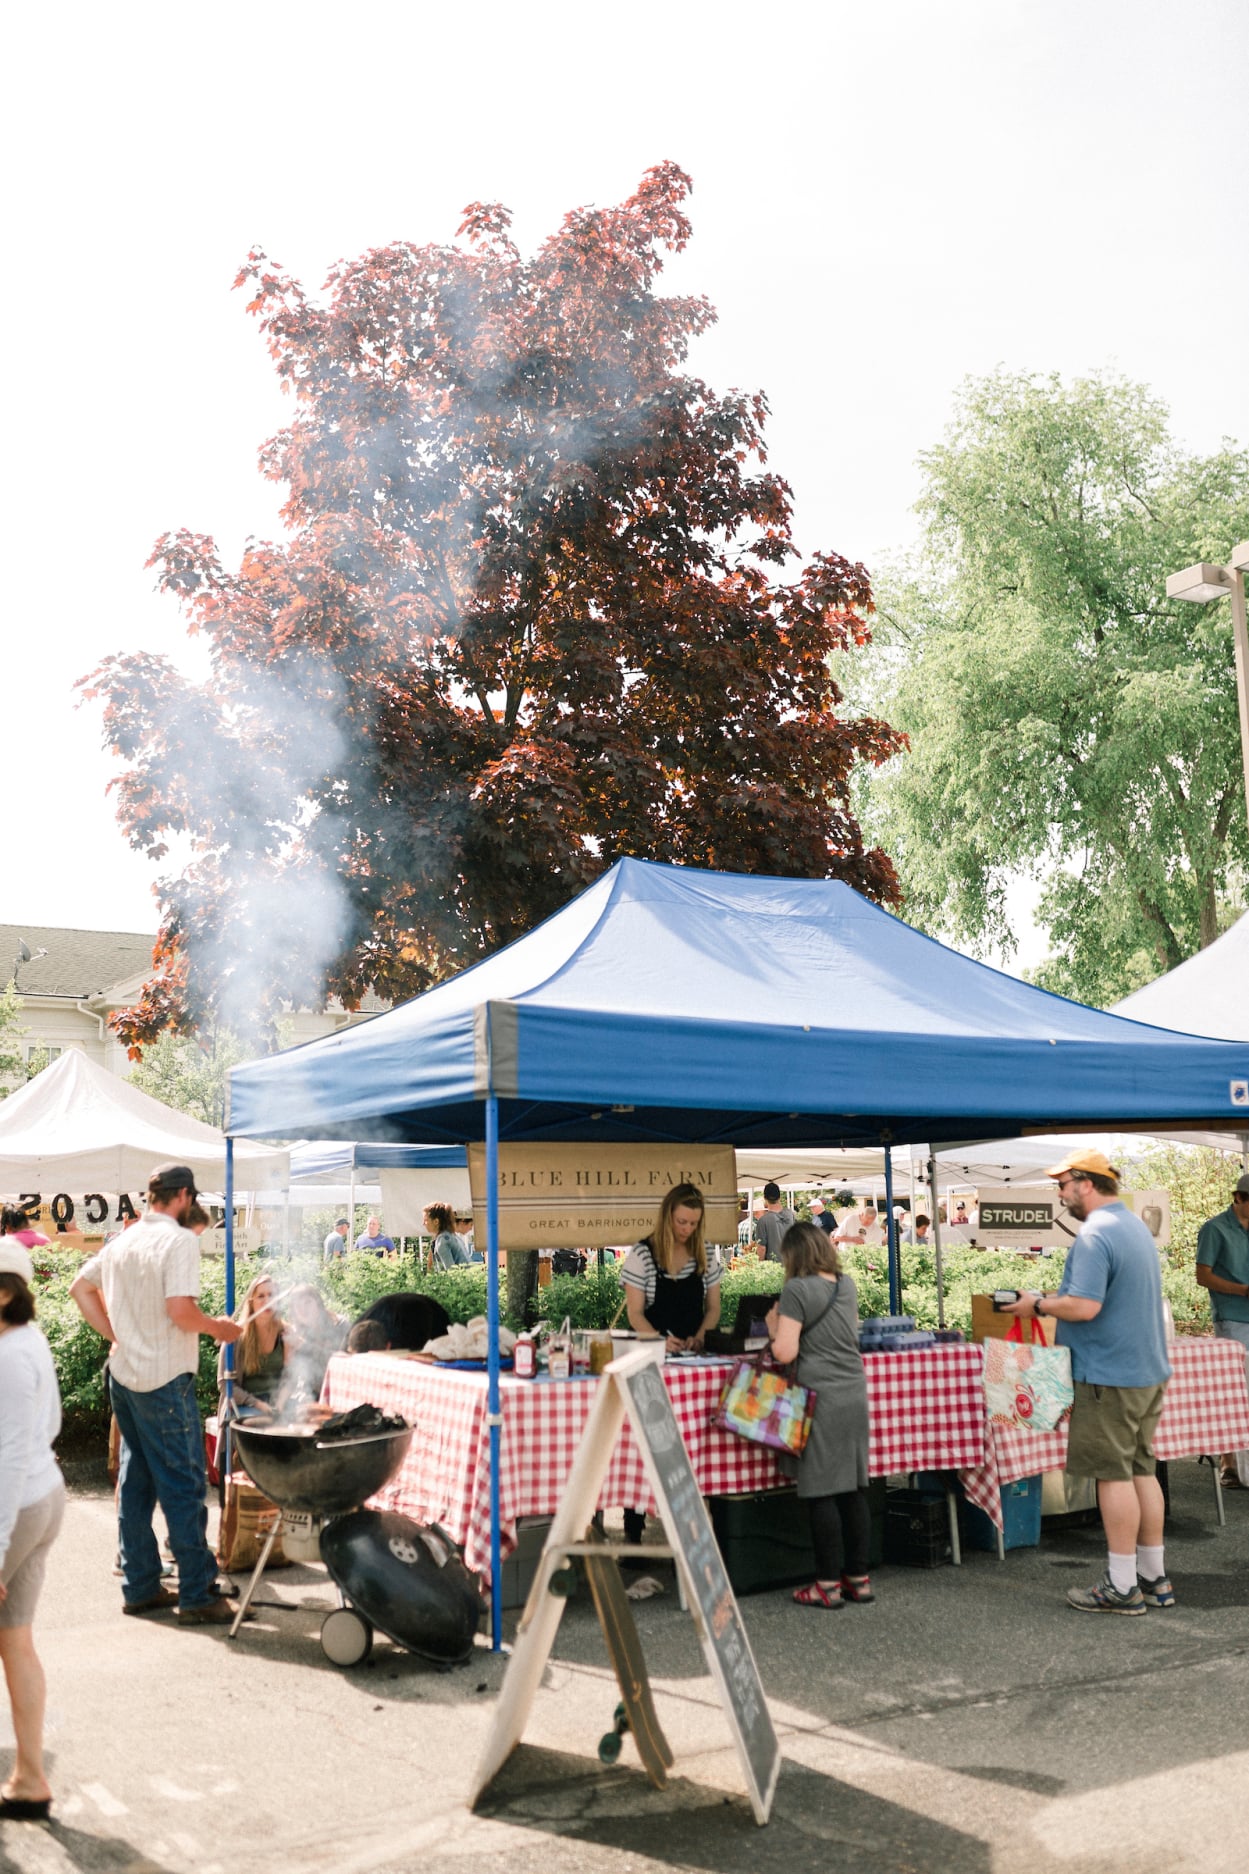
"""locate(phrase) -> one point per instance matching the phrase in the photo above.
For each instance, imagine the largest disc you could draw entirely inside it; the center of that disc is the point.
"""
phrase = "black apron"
(679, 1305)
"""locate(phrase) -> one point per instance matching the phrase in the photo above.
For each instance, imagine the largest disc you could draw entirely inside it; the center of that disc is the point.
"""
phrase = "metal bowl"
(298, 1470)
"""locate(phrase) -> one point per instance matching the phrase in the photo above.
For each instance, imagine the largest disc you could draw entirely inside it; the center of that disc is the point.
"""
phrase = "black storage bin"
(766, 1539)
(917, 1529)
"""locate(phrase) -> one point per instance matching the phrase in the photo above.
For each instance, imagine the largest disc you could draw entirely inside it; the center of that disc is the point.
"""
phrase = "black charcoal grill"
(299, 1470)
(326, 1479)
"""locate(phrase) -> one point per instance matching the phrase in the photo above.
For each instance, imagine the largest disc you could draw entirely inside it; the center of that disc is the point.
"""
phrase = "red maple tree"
(534, 610)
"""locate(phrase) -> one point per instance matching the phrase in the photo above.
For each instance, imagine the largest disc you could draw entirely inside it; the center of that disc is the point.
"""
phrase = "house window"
(39, 1050)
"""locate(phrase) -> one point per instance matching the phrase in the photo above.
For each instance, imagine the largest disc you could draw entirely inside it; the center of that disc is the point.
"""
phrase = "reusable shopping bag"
(1028, 1387)
(760, 1404)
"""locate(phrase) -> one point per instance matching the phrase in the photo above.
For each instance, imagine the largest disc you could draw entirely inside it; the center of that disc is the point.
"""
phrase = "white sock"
(1122, 1572)
(1149, 1563)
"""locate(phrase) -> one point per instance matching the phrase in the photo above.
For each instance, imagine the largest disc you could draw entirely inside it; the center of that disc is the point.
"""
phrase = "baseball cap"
(1241, 1186)
(15, 1259)
(1096, 1162)
(173, 1178)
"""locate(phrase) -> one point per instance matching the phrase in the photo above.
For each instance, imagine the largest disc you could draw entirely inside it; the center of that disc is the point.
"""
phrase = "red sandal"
(857, 1588)
(816, 1595)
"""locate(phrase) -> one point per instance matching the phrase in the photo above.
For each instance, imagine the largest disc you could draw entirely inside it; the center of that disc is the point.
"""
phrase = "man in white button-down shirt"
(142, 1293)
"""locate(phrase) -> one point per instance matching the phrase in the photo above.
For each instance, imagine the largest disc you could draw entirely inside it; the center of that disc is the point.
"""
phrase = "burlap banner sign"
(599, 1196)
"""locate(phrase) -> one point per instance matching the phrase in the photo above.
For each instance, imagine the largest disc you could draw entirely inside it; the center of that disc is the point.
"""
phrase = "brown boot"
(218, 1613)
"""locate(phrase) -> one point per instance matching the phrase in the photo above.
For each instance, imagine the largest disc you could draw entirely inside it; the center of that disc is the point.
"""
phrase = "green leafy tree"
(12, 1066)
(190, 1074)
(1065, 719)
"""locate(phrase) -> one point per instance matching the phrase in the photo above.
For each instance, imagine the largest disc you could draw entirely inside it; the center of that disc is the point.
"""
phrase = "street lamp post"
(1205, 582)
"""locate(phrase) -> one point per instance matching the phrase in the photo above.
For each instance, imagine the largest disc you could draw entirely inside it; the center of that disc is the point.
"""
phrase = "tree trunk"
(1208, 914)
(522, 1284)
(1166, 944)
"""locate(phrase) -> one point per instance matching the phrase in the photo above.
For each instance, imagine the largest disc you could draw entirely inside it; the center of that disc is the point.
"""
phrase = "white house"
(71, 981)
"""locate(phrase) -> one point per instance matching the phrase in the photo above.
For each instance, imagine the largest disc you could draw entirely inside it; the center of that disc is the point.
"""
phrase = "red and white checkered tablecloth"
(1206, 1411)
(926, 1410)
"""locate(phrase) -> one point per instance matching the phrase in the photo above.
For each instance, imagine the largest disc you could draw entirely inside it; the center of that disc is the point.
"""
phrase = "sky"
(887, 199)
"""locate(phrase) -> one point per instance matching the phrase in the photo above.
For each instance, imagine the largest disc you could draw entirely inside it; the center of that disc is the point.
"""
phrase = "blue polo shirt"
(1114, 1260)
(1224, 1248)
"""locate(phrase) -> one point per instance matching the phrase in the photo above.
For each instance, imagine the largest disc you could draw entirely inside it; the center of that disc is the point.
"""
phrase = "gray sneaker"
(1104, 1598)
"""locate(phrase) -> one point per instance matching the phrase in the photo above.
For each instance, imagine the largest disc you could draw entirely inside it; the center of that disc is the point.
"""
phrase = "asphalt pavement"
(967, 1720)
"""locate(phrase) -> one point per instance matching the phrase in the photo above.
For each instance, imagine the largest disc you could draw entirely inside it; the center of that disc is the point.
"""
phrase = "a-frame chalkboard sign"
(633, 1386)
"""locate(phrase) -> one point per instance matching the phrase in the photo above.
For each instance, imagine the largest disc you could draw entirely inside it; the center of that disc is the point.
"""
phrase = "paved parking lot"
(968, 1720)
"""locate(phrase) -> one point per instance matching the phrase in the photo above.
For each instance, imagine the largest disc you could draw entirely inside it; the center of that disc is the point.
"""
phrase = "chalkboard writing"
(689, 1530)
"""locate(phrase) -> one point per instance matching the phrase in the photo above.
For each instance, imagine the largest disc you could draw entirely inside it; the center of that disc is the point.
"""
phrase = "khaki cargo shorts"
(1112, 1431)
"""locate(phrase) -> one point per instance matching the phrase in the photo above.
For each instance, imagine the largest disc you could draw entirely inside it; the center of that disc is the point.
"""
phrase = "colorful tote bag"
(760, 1404)
(1028, 1388)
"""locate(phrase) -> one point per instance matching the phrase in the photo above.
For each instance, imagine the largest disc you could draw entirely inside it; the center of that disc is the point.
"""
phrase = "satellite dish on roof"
(24, 955)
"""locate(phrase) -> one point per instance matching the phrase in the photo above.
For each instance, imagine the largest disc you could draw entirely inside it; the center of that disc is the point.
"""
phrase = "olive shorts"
(1112, 1431)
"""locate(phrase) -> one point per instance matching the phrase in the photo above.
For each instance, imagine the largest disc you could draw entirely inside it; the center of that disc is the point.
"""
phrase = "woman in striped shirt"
(672, 1279)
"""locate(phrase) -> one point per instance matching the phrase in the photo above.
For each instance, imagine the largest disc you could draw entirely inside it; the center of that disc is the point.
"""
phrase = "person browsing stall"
(772, 1222)
(1223, 1271)
(1109, 1313)
(16, 1225)
(861, 1227)
(141, 1292)
(816, 1324)
(450, 1251)
(376, 1239)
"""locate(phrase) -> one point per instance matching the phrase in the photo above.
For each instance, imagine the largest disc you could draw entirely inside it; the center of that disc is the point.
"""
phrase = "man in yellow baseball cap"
(1109, 1312)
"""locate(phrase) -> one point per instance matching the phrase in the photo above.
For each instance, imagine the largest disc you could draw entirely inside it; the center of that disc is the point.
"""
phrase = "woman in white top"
(32, 1502)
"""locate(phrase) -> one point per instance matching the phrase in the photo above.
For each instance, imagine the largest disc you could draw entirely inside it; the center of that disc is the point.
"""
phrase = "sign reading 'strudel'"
(1010, 1216)
(594, 1196)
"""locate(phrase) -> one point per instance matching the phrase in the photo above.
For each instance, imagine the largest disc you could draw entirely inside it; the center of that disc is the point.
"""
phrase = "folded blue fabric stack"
(892, 1333)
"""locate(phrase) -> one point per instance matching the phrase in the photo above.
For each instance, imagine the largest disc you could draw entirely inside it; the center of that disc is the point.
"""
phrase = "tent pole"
(351, 1201)
(936, 1239)
(891, 1240)
(223, 1431)
(494, 1417)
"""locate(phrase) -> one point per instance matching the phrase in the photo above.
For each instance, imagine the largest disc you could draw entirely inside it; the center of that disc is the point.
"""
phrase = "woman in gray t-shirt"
(816, 1324)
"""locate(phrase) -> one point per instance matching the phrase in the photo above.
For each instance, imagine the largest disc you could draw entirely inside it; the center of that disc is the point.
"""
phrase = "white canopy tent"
(1207, 995)
(75, 1127)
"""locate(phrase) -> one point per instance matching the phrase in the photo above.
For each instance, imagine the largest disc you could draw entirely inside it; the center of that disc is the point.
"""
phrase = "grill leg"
(257, 1572)
(951, 1504)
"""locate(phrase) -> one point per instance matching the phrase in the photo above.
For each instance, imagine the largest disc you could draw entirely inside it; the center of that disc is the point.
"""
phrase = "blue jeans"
(162, 1461)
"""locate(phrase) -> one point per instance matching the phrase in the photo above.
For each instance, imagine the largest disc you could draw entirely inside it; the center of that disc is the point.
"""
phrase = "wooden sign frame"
(594, 1196)
(633, 1388)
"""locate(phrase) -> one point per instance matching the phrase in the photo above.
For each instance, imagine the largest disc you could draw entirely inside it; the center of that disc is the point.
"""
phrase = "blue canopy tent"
(332, 1164)
(670, 1003)
(324, 1161)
